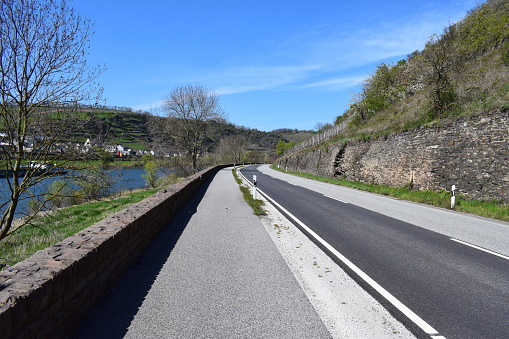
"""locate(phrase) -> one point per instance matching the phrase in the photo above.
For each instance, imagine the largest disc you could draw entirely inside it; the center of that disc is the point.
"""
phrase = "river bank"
(125, 179)
(50, 227)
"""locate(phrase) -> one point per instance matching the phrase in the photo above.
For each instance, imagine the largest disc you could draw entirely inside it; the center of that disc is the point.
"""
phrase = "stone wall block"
(5, 318)
(39, 299)
(19, 313)
(471, 153)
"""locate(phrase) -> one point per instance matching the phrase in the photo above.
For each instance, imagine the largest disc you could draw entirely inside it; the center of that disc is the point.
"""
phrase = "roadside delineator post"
(453, 196)
(254, 187)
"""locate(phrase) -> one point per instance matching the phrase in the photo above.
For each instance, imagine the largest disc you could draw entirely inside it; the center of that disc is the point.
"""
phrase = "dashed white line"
(328, 196)
(481, 249)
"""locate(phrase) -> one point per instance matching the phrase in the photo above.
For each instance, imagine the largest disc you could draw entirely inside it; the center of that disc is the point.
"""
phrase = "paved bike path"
(215, 273)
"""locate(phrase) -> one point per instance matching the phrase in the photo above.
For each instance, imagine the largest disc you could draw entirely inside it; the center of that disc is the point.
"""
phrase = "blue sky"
(274, 64)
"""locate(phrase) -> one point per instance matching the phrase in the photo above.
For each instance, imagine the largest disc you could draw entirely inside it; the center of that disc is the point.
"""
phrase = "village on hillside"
(118, 152)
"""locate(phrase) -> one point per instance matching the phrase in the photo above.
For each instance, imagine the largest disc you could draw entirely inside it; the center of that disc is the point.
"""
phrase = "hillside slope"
(134, 130)
(463, 71)
(438, 118)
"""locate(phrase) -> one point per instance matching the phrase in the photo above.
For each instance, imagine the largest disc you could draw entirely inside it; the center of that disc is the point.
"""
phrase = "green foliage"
(105, 157)
(50, 229)
(146, 158)
(380, 90)
(460, 72)
(505, 53)
(92, 186)
(282, 147)
(256, 204)
(485, 27)
(59, 194)
(150, 168)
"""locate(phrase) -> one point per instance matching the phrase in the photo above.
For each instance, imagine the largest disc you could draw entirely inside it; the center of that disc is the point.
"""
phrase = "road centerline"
(480, 248)
(328, 196)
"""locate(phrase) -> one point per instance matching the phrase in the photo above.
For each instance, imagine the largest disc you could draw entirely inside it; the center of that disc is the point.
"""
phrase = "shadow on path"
(112, 317)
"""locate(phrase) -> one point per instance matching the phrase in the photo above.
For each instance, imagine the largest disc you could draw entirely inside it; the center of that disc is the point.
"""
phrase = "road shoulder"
(344, 307)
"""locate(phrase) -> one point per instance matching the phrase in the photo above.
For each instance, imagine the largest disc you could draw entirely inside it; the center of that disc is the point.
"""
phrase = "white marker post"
(254, 187)
(453, 196)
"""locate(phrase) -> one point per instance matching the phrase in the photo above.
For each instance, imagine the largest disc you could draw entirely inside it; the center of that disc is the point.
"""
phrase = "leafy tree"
(43, 75)
(151, 173)
(189, 109)
(382, 88)
(150, 166)
(91, 184)
(282, 147)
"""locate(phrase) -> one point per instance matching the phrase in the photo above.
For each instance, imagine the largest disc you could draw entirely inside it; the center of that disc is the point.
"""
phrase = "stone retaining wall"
(50, 293)
(471, 153)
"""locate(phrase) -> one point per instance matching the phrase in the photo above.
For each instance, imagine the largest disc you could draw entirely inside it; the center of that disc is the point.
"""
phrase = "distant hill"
(116, 127)
(132, 129)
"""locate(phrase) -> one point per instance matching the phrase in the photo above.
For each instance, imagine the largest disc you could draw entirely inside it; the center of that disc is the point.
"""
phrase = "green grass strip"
(490, 209)
(256, 205)
(49, 230)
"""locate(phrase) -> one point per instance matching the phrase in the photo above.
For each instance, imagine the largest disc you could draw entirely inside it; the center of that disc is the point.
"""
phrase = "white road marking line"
(481, 249)
(327, 196)
(388, 296)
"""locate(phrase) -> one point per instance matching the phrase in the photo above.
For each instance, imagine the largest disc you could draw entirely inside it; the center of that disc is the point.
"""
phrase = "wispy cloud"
(333, 84)
(325, 57)
(247, 79)
(336, 56)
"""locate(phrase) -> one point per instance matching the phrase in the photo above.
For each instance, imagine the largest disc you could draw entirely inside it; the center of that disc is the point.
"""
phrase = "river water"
(125, 179)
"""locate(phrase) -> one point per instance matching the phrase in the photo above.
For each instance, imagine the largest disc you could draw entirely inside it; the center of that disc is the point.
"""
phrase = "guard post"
(453, 196)
(254, 187)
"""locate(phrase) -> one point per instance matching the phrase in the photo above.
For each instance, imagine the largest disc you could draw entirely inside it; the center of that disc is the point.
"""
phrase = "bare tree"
(190, 108)
(232, 148)
(43, 76)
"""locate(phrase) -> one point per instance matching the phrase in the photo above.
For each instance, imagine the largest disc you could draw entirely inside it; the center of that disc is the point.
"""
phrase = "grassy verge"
(256, 205)
(490, 209)
(48, 230)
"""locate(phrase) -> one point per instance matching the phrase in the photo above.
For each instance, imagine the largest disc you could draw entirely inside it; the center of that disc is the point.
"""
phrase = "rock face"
(471, 153)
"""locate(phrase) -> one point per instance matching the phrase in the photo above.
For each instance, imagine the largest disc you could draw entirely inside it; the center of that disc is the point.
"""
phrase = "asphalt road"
(409, 250)
(214, 272)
